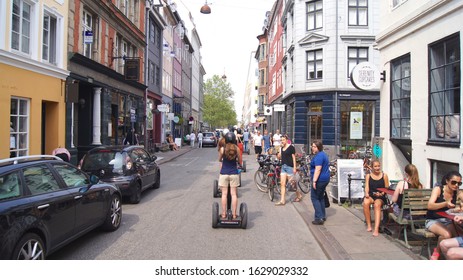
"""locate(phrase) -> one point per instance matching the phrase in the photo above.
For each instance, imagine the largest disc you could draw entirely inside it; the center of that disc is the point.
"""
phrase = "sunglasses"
(455, 183)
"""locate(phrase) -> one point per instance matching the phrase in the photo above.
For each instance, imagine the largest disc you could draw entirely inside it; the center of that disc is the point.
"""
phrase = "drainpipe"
(336, 107)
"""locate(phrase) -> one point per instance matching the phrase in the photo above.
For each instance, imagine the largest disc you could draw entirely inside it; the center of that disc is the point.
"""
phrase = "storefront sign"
(365, 76)
(356, 125)
(88, 37)
(279, 107)
(163, 108)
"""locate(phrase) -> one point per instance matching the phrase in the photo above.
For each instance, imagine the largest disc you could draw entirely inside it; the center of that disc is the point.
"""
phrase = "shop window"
(315, 121)
(444, 91)
(400, 98)
(19, 127)
(439, 169)
(358, 12)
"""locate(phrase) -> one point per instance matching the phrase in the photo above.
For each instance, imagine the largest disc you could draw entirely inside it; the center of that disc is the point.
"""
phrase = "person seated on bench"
(452, 248)
(172, 145)
(376, 179)
(442, 199)
(411, 181)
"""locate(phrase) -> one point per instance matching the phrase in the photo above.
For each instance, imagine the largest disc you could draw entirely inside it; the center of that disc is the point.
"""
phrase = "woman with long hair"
(229, 155)
(374, 180)
(411, 181)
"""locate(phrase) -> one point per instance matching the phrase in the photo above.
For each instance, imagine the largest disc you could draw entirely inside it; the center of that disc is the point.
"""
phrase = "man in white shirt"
(200, 140)
(277, 141)
(192, 139)
(257, 139)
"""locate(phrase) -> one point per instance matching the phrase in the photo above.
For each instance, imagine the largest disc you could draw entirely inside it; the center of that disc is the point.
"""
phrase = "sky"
(228, 36)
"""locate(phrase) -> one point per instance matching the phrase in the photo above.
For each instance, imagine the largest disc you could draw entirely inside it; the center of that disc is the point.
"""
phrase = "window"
(354, 57)
(262, 77)
(40, 180)
(262, 52)
(151, 72)
(358, 12)
(314, 65)
(72, 176)
(396, 3)
(444, 91)
(10, 186)
(49, 38)
(21, 26)
(400, 98)
(19, 127)
(439, 169)
(152, 32)
(314, 14)
(158, 76)
(87, 25)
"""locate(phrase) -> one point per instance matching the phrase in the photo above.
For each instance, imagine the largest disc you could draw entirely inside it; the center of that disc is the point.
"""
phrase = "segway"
(241, 221)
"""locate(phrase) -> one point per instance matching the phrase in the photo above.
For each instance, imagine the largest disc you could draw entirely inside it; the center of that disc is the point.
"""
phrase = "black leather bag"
(327, 200)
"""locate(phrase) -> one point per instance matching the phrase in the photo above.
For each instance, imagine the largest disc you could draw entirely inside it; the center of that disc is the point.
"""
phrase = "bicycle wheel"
(304, 184)
(271, 188)
(260, 179)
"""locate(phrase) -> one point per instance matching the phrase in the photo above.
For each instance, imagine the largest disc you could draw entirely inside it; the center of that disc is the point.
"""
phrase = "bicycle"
(260, 177)
(273, 182)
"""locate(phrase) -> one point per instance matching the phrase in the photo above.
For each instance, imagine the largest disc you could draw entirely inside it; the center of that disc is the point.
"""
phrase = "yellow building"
(32, 76)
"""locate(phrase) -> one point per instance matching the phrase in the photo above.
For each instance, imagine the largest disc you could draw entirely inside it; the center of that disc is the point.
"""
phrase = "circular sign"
(176, 119)
(365, 76)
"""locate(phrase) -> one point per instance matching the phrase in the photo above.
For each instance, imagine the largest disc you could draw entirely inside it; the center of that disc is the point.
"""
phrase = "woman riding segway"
(229, 174)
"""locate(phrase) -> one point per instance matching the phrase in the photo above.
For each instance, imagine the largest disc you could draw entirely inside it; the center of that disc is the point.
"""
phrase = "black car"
(45, 203)
(131, 168)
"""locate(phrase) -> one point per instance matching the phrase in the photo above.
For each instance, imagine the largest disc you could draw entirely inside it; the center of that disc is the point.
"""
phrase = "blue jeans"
(246, 146)
(318, 199)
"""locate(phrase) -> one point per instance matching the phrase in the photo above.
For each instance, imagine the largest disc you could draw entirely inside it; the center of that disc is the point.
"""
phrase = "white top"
(200, 136)
(192, 136)
(257, 140)
(276, 139)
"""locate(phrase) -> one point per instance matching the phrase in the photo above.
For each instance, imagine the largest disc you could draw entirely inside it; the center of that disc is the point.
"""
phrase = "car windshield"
(103, 160)
(208, 134)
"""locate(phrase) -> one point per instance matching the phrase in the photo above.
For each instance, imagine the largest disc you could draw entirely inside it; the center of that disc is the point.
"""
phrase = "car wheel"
(157, 183)
(30, 247)
(136, 194)
(114, 215)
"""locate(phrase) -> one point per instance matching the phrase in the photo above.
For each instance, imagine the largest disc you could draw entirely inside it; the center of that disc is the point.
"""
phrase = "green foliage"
(219, 108)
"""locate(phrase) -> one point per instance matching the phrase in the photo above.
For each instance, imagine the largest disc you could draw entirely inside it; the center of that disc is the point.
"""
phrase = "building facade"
(421, 98)
(322, 42)
(33, 69)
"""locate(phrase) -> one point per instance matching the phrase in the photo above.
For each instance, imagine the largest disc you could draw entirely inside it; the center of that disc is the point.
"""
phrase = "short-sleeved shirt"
(246, 136)
(287, 155)
(320, 159)
(277, 139)
(200, 136)
(257, 140)
(266, 139)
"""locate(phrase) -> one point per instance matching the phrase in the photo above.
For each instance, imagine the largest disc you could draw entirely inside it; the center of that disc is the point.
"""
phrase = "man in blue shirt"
(246, 140)
(266, 141)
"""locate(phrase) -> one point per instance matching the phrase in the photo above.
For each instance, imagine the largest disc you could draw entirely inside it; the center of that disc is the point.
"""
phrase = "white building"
(420, 46)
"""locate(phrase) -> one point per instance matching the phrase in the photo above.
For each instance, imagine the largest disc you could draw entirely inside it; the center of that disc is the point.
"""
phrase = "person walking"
(320, 177)
(131, 138)
(257, 139)
(266, 141)
(374, 180)
(200, 140)
(192, 139)
(246, 140)
(287, 155)
(229, 156)
(276, 140)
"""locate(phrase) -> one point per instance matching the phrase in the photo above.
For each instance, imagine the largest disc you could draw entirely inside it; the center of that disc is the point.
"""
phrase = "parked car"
(45, 203)
(131, 168)
(209, 139)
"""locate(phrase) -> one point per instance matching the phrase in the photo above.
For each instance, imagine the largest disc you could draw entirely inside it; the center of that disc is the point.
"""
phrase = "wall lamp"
(205, 9)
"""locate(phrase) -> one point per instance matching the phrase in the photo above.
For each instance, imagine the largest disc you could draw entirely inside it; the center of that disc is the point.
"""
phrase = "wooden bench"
(412, 217)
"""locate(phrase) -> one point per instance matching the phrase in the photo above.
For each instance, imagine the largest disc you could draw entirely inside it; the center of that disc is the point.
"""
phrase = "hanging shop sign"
(365, 76)
(279, 107)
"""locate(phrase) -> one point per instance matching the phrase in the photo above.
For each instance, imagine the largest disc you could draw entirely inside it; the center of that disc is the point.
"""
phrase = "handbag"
(327, 200)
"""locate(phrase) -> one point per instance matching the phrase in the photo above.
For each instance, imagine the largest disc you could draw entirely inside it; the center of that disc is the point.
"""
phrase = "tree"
(219, 108)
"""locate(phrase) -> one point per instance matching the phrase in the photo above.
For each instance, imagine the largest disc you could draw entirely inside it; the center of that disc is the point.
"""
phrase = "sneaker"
(317, 222)
(324, 219)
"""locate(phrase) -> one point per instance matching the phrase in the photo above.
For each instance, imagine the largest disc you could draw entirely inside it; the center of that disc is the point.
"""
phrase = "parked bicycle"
(260, 177)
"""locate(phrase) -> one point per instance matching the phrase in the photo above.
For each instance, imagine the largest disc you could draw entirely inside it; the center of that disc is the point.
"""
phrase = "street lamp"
(205, 9)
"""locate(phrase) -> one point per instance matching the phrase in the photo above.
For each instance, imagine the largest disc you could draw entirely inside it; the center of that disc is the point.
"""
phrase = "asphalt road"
(174, 222)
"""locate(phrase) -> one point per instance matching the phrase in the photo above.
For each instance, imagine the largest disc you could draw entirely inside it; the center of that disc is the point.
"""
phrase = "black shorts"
(258, 150)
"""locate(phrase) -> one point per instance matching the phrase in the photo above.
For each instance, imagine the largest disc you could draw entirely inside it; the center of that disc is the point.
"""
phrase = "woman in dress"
(376, 179)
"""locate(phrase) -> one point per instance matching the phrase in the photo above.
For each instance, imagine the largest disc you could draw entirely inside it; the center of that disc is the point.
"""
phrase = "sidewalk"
(344, 236)
(164, 157)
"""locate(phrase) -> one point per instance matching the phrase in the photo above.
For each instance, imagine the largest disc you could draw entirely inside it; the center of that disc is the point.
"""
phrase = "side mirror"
(154, 158)
(94, 179)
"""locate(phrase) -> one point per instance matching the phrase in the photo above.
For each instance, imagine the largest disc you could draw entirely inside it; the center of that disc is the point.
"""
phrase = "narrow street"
(174, 222)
